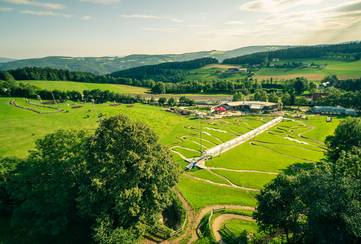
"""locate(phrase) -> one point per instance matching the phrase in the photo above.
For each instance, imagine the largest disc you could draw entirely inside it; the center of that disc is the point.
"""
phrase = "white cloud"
(104, 2)
(234, 22)
(152, 17)
(276, 5)
(162, 29)
(86, 17)
(45, 13)
(6, 9)
(45, 5)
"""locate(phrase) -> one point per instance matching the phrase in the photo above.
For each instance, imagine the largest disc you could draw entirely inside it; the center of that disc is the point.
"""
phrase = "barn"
(249, 107)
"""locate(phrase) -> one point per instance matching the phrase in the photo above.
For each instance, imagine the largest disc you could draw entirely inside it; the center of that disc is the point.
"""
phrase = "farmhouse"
(248, 107)
(333, 110)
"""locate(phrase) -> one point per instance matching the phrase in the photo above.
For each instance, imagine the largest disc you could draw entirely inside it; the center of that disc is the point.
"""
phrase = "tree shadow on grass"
(297, 167)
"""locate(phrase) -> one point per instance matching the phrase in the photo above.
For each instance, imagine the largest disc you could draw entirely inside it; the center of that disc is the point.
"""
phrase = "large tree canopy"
(44, 187)
(75, 188)
(321, 204)
(347, 136)
(129, 176)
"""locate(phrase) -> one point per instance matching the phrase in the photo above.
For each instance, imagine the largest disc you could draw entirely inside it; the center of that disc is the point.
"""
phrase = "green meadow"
(234, 177)
(234, 228)
(344, 70)
(81, 86)
(117, 88)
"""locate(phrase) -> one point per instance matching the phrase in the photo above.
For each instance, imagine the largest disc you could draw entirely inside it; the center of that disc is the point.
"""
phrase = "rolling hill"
(6, 60)
(104, 65)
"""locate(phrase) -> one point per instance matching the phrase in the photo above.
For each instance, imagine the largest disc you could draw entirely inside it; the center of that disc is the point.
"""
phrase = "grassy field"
(80, 86)
(255, 163)
(251, 165)
(234, 229)
(123, 89)
(215, 72)
(344, 70)
(20, 128)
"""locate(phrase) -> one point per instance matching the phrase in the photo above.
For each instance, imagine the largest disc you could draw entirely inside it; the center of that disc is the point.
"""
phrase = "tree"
(184, 101)
(332, 198)
(273, 97)
(112, 184)
(44, 187)
(238, 96)
(172, 102)
(6, 76)
(301, 101)
(286, 98)
(300, 85)
(130, 176)
(159, 88)
(313, 87)
(322, 203)
(347, 136)
(278, 208)
(261, 95)
(162, 101)
(7, 167)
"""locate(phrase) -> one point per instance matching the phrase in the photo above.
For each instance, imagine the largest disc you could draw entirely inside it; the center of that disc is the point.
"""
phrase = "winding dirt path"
(218, 223)
(208, 209)
(194, 219)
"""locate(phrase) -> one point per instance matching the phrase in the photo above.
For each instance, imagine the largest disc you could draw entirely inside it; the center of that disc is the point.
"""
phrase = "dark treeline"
(347, 85)
(15, 89)
(165, 72)
(34, 73)
(338, 97)
(344, 92)
(227, 86)
(347, 51)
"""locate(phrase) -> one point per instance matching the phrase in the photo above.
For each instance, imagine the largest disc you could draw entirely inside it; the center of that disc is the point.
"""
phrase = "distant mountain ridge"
(104, 65)
(5, 60)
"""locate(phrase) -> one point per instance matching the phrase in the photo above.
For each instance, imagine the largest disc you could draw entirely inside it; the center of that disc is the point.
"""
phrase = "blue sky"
(37, 28)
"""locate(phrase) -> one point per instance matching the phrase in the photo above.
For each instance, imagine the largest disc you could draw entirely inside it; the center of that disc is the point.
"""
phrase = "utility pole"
(52, 94)
(200, 133)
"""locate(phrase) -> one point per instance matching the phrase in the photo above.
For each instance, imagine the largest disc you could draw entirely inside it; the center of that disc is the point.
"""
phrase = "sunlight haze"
(120, 27)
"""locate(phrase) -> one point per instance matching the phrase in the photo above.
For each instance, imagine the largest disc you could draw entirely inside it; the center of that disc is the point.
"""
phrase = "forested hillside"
(166, 72)
(104, 65)
(345, 52)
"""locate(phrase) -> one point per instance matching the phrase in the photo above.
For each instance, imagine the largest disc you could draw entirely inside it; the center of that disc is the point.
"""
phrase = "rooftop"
(250, 103)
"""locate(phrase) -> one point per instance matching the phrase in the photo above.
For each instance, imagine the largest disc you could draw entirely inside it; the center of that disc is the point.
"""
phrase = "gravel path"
(218, 223)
